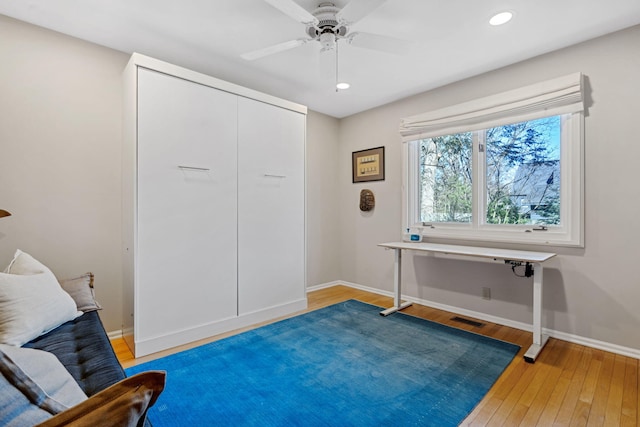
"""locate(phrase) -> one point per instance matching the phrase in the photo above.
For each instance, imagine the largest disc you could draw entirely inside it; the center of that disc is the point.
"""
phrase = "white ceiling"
(451, 40)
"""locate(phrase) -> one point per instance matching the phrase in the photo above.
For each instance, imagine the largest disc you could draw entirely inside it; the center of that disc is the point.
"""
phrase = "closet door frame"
(187, 205)
(131, 253)
(271, 206)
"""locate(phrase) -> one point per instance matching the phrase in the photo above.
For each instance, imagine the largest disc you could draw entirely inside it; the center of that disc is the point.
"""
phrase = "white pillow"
(46, 372)
(31, 301)
(34, 385)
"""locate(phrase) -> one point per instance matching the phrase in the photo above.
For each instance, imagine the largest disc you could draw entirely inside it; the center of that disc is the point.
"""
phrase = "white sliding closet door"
(186, 205)
(271, 161)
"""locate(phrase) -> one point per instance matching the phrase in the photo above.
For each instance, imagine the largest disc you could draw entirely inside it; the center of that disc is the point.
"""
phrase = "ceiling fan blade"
(280, 47)
(380, 43)
(294, 10)
(355, 10)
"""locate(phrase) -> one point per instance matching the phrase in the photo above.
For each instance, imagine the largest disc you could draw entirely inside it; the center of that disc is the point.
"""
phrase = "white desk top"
(503, 254)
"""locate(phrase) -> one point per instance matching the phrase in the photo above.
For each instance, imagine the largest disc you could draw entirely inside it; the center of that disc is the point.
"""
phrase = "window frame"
(571, 231)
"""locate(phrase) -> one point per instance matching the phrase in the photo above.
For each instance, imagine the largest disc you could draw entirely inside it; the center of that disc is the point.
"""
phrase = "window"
(512, 176)
(445, 178)
(522, 171)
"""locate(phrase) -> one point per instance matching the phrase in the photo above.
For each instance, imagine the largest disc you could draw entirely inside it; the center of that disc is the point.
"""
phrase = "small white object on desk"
(412, 236)
(534, 258)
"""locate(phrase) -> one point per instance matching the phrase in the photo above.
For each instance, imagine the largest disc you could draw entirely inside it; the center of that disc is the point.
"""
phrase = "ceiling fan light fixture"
(343, 86)
(501, 18)
(328, 41)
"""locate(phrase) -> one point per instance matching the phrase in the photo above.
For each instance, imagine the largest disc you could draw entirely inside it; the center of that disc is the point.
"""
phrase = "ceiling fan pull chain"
(337, 79)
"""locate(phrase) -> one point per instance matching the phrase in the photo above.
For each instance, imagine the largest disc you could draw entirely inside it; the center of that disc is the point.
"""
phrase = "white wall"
(592, 292)
(60, 146)
(323, 212)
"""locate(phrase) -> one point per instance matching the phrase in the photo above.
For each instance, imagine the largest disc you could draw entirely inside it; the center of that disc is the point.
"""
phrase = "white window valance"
(562, 95)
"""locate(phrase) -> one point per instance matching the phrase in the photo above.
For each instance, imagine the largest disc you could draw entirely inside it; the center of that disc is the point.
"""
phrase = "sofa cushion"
(81, 290)
(83, 347)
(31, 301)
(34, 386)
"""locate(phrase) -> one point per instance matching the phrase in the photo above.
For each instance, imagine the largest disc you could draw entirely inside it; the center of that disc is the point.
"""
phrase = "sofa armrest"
(123, 404)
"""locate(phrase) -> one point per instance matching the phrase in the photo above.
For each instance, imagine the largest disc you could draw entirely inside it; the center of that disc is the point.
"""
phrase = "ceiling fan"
(328, 24)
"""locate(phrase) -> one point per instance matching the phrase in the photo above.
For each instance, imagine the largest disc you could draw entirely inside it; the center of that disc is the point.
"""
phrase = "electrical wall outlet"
(486, 293)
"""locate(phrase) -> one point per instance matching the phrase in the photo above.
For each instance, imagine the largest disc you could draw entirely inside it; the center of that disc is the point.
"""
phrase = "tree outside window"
(521, 167)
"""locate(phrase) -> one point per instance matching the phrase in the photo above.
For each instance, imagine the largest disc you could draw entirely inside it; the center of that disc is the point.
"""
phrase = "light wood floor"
(569, 385)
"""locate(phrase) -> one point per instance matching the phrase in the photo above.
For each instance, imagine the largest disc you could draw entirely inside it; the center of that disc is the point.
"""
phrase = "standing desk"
(513, 257)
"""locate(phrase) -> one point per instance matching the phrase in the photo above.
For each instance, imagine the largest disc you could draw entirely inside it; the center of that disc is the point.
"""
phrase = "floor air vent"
(467, 321)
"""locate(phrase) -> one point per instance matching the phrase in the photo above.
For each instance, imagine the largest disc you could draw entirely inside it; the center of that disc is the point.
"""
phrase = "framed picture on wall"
(368, 165)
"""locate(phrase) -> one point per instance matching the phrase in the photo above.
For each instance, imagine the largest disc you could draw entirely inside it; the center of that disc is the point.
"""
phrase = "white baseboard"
(113, 335)
(576, 339)
(327, 285)
(144, 346)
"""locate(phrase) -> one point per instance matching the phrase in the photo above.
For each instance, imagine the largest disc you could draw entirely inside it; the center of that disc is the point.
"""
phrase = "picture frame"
(368, 165)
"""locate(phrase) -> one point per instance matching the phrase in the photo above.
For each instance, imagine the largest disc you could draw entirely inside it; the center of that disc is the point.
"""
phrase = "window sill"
(539, 238)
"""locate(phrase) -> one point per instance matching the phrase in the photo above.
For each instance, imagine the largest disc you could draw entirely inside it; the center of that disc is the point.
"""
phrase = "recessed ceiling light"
(501, 18)
(343, 86)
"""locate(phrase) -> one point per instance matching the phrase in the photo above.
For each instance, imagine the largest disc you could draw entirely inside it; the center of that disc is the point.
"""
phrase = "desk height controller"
(528, 268)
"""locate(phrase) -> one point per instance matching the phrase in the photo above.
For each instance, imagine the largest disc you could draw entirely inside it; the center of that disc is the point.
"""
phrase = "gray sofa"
(83, 347)
(69, 375)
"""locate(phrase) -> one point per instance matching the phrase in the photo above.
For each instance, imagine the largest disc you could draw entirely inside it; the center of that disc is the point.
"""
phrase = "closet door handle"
(193, 168)
(273, 175)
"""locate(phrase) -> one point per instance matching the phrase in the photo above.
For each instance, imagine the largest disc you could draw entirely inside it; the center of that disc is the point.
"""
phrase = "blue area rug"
(343, 365)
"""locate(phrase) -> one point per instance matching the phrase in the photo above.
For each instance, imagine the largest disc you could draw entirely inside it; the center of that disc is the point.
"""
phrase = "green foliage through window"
(521, 164)
(446, 178)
